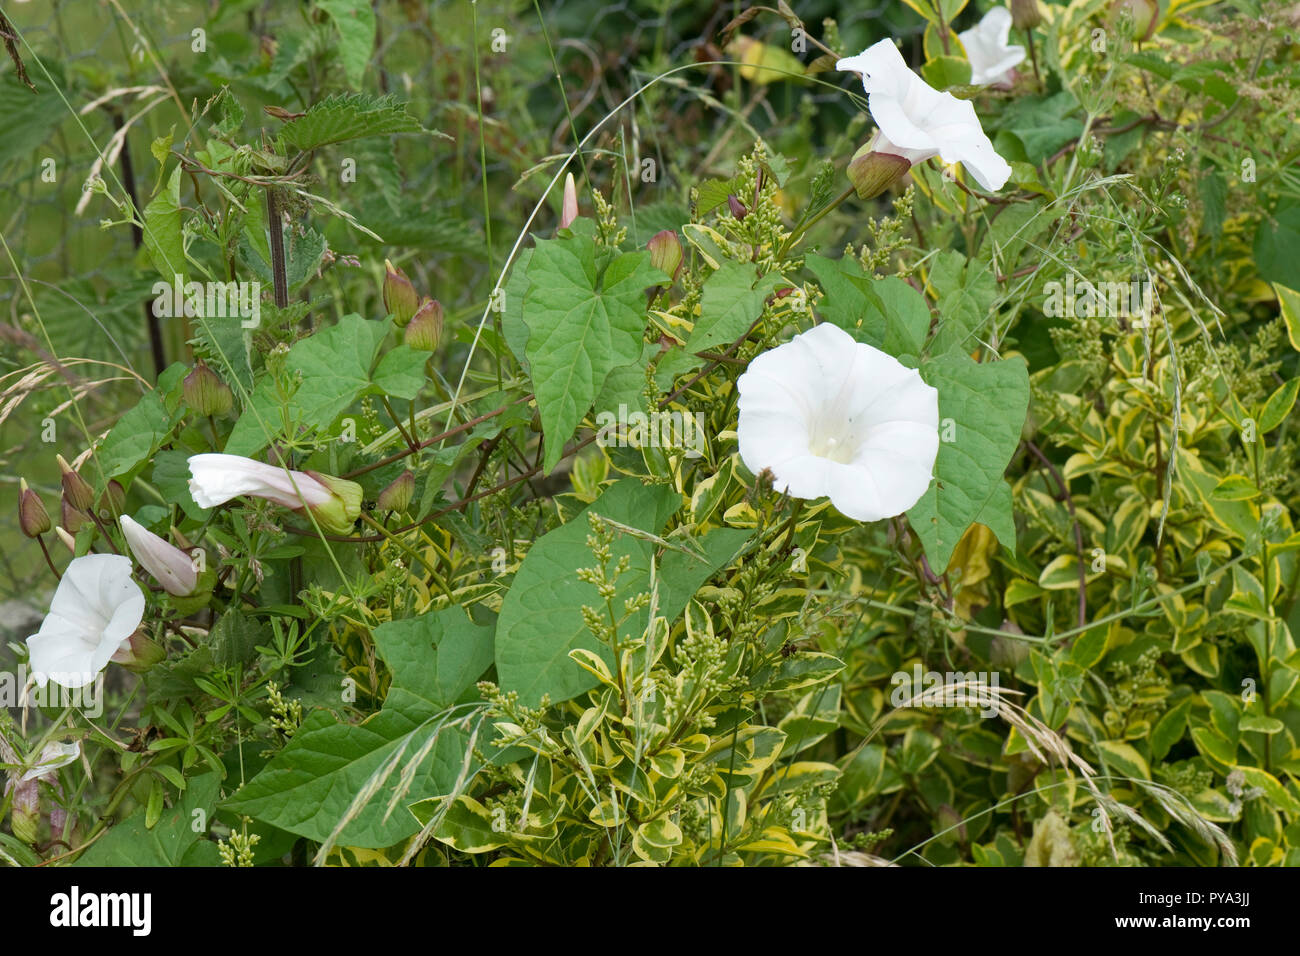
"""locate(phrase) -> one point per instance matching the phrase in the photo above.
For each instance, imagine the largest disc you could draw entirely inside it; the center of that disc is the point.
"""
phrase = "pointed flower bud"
(1025, 14)
(171, 567)
(425, 329)
(139, 652)
(738, 208)
(397, 495)
(33, 519)
(205, 393)
(400, 297)
(25, 814)
(872, 173)
(666, 253)
(216, 478)
(68, 540)
(113, 498)
(569, 206)
(1146, 14)
(71, 518)
(75, 488)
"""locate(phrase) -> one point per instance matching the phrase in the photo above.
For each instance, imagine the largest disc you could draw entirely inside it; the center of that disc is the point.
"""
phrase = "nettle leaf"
(355, 22)
(302, 256)
(887, 314)
(984, 407)
(171, 841)
(965, 290)
(731, 301)
(585, 316)
(346, 116)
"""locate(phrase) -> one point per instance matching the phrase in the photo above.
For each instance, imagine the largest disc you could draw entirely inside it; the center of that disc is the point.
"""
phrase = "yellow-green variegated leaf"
(655, 839)
(468, 826)
(1123, 760)
(1215, 746)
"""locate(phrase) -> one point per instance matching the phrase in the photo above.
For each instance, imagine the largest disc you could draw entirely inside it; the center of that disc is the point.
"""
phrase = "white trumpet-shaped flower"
(991, 57)
(96, 609)
(829, 416)
(917, 122)
(53, 755)
(216, 478)
(170, 566)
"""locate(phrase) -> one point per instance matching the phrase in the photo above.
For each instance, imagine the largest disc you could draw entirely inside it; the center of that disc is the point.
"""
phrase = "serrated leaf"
(346, 116)
(355, 22)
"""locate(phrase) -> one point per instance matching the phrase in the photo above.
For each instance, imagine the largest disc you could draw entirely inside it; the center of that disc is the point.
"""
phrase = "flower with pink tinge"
(216, 478)
(170, 566)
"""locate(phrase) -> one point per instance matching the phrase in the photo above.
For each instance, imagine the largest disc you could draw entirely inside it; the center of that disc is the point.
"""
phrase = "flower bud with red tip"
(400, 297)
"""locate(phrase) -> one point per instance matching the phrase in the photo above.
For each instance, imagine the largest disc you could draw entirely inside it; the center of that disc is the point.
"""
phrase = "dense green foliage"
(567, 624)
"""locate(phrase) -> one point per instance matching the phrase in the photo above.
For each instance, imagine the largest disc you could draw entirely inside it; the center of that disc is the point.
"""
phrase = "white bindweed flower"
(53, 756)
(916, 121)
(829, 416)
(216, 478)
(96, 609)
(170, 566)
(991, 58)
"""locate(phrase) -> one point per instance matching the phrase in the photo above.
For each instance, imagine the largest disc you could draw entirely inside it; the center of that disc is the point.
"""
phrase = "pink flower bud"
(425, 329)
(569, 206)
(171, 567)
(666, 253)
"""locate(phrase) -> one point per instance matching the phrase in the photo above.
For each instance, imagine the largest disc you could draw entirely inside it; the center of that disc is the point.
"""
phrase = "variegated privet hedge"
(623, 561)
